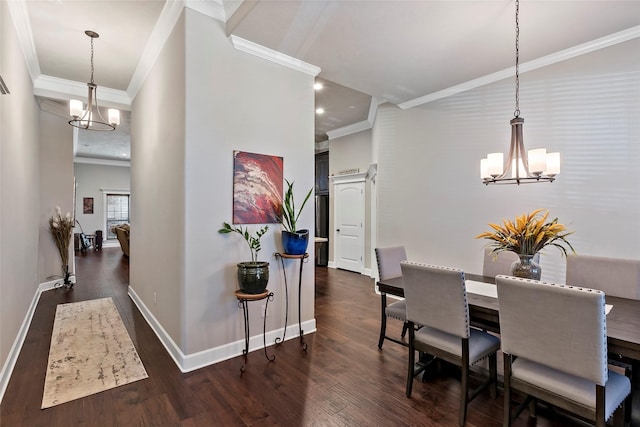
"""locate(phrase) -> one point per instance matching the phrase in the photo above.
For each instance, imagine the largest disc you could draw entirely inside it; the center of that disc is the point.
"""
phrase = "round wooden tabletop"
(252, 297)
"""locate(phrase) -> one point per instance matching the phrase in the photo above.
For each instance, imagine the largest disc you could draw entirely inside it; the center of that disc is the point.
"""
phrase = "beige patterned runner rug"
(90, 352)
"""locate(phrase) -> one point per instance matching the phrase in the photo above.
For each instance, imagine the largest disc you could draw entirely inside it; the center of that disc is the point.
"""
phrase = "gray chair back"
(436, 297)
(559, 326)
(614, 276)
(389, 259)
(500, 263)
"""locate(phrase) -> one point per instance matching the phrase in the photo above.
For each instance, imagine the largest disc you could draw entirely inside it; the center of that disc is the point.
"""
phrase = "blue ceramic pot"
(295, 243)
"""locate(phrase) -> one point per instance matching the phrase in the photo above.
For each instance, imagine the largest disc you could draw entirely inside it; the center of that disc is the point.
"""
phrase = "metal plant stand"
(243, 300)
(302, 259)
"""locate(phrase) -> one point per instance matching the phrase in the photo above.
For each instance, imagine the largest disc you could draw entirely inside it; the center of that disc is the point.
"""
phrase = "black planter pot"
(295, 243)
(253, 276)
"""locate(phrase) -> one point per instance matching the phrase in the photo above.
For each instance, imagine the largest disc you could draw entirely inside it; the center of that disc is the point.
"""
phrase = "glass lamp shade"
(494, 164)
(114, 116)
(484, 169)
(75, 108)
(553, 164)
(537, 161)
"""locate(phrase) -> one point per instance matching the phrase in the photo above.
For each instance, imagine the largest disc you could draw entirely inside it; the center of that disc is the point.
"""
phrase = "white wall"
(156, 270)
(91, 179)
(56, 188)
(350, 152)
(430, 195)
(20, 212)
(220, 100)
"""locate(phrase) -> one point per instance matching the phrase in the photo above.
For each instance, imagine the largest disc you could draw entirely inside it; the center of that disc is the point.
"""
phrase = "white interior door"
(349, 232)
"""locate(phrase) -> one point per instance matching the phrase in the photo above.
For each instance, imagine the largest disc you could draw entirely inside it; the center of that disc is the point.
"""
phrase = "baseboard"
(191, 362)
(10, 363)
(331, 264)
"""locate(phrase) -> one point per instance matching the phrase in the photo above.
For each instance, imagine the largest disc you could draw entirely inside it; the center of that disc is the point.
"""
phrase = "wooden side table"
(301, 258)
(243, 300)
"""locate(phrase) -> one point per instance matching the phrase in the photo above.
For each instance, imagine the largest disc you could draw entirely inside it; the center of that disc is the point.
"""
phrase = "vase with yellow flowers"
(526, 236)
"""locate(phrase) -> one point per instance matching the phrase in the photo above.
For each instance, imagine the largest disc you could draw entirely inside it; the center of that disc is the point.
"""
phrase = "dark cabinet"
(322, 173)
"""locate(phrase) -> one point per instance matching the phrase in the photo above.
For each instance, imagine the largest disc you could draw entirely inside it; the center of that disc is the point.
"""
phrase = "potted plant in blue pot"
(252, 275)
(294, 241)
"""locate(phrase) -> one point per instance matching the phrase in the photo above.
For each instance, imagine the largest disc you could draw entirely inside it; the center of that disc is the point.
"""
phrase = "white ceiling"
(404, 52)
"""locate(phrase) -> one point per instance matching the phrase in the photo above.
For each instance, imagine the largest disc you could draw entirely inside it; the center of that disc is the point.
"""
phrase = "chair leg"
(405, 327)
(507, 390)
(464, 393)
(411, 362)
(493, 375)
(383, 319)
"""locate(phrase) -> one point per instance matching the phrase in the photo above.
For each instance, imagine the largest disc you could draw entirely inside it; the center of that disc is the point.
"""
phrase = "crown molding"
(544, 61)
(102, 162)
(273, 56)
(349, 129)
(358, 126)
(159, 36)
(216, 9)
(53, 107)
(62, 89)
(20, 17)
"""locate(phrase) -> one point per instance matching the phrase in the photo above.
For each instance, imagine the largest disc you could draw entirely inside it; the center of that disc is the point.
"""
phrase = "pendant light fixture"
(91, 118)
(521, 167)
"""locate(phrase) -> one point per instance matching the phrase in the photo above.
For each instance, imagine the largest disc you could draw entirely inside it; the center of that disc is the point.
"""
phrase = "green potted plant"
(294, 241)
(252, 275)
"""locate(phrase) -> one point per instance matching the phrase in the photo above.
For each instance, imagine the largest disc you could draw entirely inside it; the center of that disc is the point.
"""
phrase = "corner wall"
(202, 100)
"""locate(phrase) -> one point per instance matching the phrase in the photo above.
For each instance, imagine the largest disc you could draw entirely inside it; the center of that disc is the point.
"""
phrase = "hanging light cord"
(516, 113)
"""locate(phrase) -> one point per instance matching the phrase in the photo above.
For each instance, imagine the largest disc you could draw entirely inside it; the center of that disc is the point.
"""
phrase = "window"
(117, 212)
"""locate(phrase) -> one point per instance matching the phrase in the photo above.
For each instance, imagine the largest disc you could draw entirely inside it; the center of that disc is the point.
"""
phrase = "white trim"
(332, 264)
(359, 126)
(349, 129)
(572, 52)
(104, 162)
(20, 17)
(159, 36)
(63, 89)
(10, 362)
(211, 8)
(352, 177)
(191, 362)
(273, 56)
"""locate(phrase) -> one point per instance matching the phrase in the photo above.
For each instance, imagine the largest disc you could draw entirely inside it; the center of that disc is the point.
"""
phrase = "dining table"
(623, 318)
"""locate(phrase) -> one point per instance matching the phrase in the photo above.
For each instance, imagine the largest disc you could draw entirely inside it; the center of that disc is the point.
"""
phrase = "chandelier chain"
(91, 60)
(516, 113)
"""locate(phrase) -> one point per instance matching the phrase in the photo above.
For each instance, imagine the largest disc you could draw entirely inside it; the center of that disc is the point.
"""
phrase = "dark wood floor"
(343, 379)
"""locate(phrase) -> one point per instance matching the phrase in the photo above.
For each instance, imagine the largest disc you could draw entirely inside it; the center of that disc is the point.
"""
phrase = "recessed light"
(320, 110)
(318, 86)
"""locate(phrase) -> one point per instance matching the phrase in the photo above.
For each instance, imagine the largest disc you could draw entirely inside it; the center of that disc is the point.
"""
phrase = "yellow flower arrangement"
(528, 235)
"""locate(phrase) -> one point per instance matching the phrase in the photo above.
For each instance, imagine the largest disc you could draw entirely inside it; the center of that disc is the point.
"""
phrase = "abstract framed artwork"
(87, 205)
(257, 188)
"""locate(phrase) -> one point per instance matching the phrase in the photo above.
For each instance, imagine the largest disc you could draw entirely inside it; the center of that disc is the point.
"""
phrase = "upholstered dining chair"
(436, 299)
(500, 263)
(389, 259)
(554, 345)
(617, 277)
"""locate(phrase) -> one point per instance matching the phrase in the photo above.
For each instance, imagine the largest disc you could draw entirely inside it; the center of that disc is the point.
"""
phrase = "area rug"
(90, 352)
